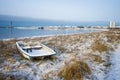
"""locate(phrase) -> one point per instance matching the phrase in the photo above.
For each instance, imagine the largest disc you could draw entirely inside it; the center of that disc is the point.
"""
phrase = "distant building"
(112, 24)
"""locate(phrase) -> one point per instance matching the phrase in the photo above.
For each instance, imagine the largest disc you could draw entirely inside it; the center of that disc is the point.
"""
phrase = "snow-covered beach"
(88, 56)
(114, 72)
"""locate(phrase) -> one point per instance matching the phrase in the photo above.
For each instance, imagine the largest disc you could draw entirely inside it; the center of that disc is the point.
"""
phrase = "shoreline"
(17, 33)
(52, 35)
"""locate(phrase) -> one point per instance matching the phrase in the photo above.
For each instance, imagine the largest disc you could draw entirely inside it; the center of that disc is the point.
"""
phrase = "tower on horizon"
(112, 24)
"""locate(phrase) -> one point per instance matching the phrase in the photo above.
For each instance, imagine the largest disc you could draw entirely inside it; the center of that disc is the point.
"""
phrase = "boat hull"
(25, 55)
(38, 52)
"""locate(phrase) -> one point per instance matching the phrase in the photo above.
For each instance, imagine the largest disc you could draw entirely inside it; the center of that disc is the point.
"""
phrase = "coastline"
(99, 30)
(18, 33)
(92, 49)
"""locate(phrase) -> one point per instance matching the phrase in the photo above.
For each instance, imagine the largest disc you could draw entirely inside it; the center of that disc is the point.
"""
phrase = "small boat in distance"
(33, 49)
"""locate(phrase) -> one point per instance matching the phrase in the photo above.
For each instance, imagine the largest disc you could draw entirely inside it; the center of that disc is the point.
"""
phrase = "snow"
(40, 53)
(114, 73)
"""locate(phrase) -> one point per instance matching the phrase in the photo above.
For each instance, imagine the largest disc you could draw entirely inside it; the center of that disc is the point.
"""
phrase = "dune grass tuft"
(99, 46)
(75, 70)
(97, 58)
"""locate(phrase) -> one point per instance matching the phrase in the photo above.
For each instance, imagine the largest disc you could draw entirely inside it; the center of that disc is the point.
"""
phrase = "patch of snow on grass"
(114, 73)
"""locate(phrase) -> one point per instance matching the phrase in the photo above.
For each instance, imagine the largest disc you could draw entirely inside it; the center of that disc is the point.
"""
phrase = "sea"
(7, 33)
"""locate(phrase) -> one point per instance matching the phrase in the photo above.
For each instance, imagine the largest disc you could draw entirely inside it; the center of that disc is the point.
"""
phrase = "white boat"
(33, 49)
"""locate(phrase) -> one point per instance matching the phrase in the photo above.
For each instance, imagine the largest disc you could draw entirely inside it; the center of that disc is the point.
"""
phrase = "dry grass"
(62, 40)
(113, 38)
(52, 58)
(113, 35)
(6, 77)
(62, 49)
(12, 77)
(75, 70)
(7, 51)
(97, 58)
(99, 46)
(93, 57)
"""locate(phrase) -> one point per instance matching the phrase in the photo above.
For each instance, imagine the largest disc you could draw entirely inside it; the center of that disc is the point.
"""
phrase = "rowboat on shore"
(34, 49)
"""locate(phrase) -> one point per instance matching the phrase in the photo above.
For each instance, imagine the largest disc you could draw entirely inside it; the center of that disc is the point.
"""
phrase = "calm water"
(5, 33)
(53, 23)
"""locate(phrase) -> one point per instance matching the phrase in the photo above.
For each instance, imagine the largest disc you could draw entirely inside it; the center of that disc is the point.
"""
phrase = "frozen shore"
(82, 56)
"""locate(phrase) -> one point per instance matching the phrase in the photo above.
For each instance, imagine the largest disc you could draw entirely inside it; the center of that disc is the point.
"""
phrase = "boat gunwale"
(23, 52)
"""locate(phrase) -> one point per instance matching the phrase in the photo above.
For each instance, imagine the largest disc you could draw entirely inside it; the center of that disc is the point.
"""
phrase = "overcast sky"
(66, 10)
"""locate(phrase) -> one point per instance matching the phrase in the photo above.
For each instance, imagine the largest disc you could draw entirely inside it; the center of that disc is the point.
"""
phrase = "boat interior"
(35, 48)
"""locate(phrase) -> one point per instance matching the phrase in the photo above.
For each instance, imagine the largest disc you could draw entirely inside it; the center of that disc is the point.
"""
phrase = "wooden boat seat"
(27, 48)
(36, 47)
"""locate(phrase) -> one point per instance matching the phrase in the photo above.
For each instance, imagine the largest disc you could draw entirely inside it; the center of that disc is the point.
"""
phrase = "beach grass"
(74, 70)
(99, 46)
(97, 58)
